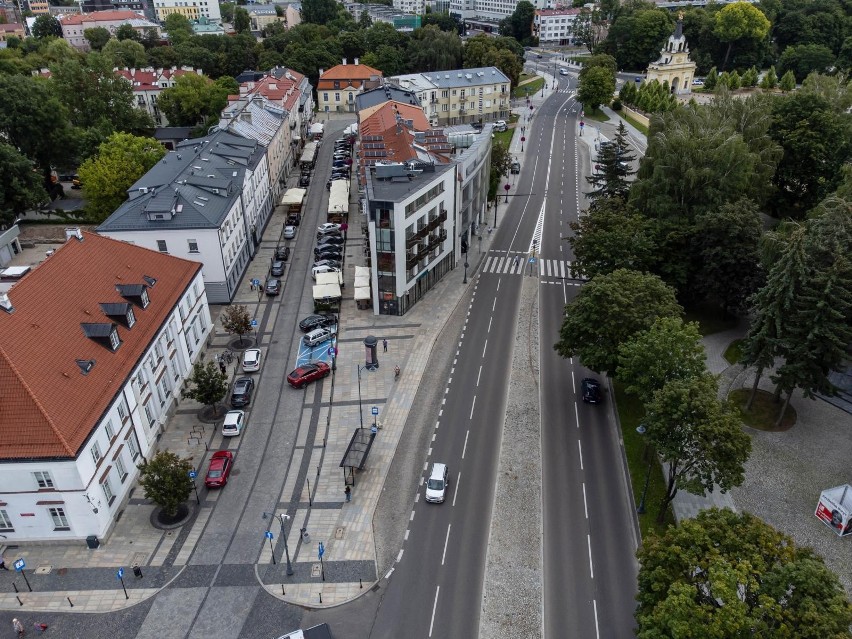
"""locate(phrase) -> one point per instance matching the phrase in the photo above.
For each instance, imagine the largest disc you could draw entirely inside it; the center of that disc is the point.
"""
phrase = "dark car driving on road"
(591, 389)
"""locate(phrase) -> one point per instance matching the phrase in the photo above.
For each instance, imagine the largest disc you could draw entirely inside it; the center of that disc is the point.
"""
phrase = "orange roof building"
(95, 344)
(337, 87)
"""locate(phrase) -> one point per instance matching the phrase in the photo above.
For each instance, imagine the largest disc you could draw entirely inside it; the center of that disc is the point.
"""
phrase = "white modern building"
(97, 342)
(554, 26)
(208, 201)
(192, 9)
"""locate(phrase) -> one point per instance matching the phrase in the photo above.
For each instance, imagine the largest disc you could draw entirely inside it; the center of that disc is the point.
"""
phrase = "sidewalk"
(59, 572)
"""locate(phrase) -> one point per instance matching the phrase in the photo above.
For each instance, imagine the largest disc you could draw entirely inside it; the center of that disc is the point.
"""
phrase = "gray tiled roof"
(383, 94)
(398, 190)
(466, 77)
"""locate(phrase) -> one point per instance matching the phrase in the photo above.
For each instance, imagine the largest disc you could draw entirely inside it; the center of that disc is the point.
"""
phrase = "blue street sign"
(120, 573)
(269, 534)
(374, 429)
(193, 474)
(332, 351)
(532, 260)
(321, 550)
(254, 322)
(375, 410)
(20, 564)
(255, 281)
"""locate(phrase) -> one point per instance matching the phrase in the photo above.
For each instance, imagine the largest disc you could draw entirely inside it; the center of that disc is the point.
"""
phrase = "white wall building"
(554, 26)
(98, 341)
(192, 9)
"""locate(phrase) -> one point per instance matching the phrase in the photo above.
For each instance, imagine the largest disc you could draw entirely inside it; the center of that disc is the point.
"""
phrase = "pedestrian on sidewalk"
(385, 344)
(39, 627)
(137, 571)
(18, 627)
(222, 367)
(3, 563)
(348, 492)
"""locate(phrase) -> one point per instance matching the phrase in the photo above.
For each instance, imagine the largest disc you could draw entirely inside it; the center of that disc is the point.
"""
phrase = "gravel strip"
(512, 592)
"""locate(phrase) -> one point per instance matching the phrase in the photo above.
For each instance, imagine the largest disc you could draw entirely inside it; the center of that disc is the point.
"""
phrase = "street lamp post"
(506, 188)
(282, 517)
(465, 270)
(360, 410)
(641, 429)
(523, 139)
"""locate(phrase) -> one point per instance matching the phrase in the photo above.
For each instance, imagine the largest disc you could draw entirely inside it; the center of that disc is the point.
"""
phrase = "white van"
(436, 485)
(318, 336)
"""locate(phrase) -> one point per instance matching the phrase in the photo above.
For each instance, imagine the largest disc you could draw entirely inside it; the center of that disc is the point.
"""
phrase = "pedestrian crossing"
(518, 264)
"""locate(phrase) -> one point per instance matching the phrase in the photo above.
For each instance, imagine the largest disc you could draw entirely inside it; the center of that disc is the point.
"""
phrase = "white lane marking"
(464, 450)
(580, 448)
(483, 349)
(498, 290)
(434, 435)
(472, 406)
(573, 381)
(479, 375)
(591, 566)
(562, 265)
(494, 305)
(434, 606)
(458, 481)
(452, 370)
(446, 542)
(585, 503)
(399, 556)
(491, 319)
(454, 361)
(411, 518)
(597, 628)
(389, 573)
(577, 414)
(407, 530)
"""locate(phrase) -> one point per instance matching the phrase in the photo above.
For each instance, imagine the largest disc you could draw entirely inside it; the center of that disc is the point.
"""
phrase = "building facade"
(461, 96)
(75, 25)
(338, 86)
(554, 26)
(12, 29)
(208, 201)
(192, 9)
(98, 340)
(147, 85)
(674, 65)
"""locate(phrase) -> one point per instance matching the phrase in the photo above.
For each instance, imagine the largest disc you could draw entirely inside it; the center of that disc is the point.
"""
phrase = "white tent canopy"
(309, 153)
(330, 278)
(317, 128)
(326, 292)
(362, 293)
(293, 196)
(338, 198)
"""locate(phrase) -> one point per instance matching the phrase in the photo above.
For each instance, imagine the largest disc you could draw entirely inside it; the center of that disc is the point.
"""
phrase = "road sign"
(268, 534)
(254, 323)
(375, 410)
(20, 564)
(256, 282)
(120, 573)
(321, 550)
(582, 124)
(193, 474)
(332, 351)
(532, 260)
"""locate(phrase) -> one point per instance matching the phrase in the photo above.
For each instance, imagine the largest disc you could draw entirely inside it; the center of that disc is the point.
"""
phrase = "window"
(325, 97)
(107, 488)
(96, 453)
(193, 246)
(60, 521)
(120, 468)
(114, 340)
(43, 479)
(131, 318)
(110, 431)
(5, 522)
(133, 446)
(149, 414)
(161, 246)
(337, 97)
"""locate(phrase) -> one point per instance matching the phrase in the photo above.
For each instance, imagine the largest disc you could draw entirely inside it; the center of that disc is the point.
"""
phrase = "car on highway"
(289, 232)
(312, 322)
(282, 253)
(234, 423)
(277, 268)
(219, 469)
(308, 373)
(318, 336)
(251, 360)
(333, 263)
(436, 485)
(317, 270)
(241, 392)
(591, 390)
(328, 227)
(273, 287)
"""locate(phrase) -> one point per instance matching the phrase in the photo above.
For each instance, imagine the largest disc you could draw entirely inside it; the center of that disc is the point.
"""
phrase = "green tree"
(668, 350)
(600, 60)
(739, 22)
(209, 385)
(727, 243)
(365, 21)
(165, 480)
(611, 236)
(596, 87)
(226, 10)
(353, 43)
(444, 21)
(711, 79)
(318, 11)
(431, 49)
(389, 60)
(21, 188)
(750, 77)
(802, 59)
(835, 89)
(97, 37)
(126, 32)
(698, 437)
(236, 320)
(637, 38)
(178, 27)
(45, 26)
(499, 165)
(610, 310)
(788, 82)
(590, 25)
(612, 167)
(770, 80)
(242, 22)
(120, 161)
(727, 574)
(125, 53)
(383, 34)
(192, 100)
(519, 24)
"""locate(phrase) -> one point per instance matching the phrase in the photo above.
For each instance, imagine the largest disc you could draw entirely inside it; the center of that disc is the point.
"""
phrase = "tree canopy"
(740, 21)
(21, 188)
(596, 87)
(192, 100)
(165, 480)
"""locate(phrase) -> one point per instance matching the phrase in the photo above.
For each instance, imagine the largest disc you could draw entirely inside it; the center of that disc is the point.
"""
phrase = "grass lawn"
(630, 414)
(734, 353)
(596, 115)
(710, 319)
(764, 411)
(638, 125)
(532, 86)
(504, 136)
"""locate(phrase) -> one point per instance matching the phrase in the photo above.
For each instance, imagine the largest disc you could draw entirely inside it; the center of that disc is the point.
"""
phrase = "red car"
(307, 374)
(220, 468)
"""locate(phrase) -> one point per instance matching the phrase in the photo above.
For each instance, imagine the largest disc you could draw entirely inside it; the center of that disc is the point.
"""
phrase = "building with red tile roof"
(74, 25)
(147, 85)
(12, 29)
(337, 87)
(95, 344)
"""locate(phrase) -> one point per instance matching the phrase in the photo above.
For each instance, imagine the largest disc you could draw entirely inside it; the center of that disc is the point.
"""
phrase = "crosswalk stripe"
(562, 269)
(509, 264)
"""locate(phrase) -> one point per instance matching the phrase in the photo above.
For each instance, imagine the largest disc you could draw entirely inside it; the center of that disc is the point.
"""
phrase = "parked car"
(251, 360)
(323, 269)
(219, 469)
(330, 233)
(289, 232)
(277, 268)
(294, 219)
(329, 253)
(312, 322)
(436, 485)
(500, 125)
(330, 239)
(308, 373)
(328, 227)
(273, 287)
(591, 390)
(318, 336)
(304, 180)
(234, 422)
(282, 253)
(241, 393)
(334, 263)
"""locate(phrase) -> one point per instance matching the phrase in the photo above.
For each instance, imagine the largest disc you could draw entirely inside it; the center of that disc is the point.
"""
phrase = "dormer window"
(105, 334)
(114, 340)
(136, 293)
(121, 313)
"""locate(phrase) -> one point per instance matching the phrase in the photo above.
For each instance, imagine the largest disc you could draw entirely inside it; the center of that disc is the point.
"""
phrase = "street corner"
(319, 594)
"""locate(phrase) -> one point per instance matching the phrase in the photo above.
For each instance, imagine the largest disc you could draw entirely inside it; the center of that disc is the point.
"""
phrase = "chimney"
(73, 231)
(6, 303)
(344, 62)
(321, 71)
(356, 60)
